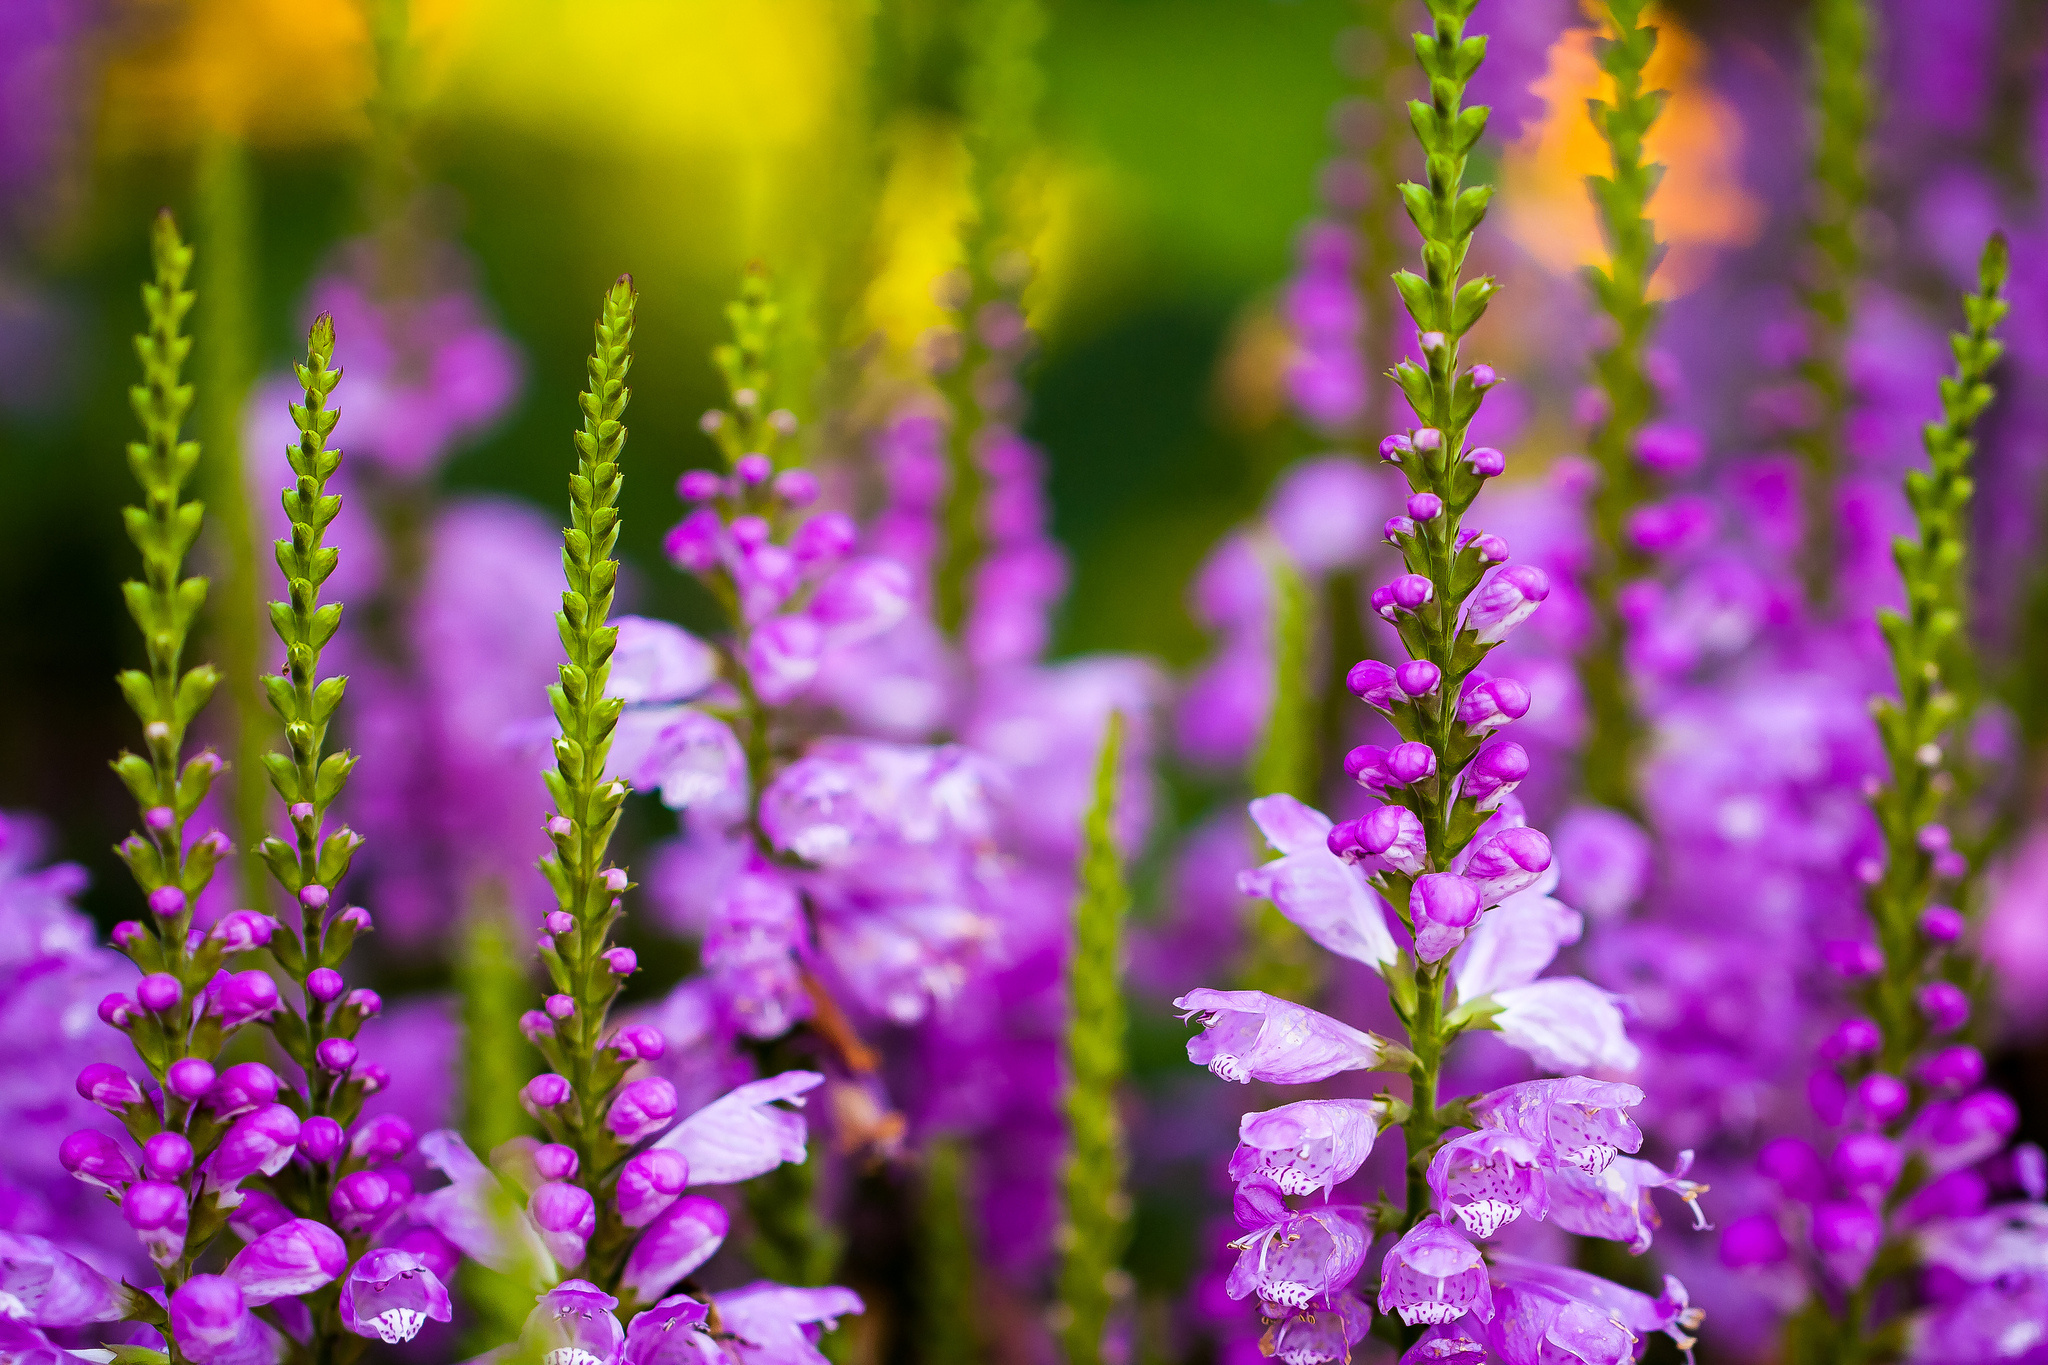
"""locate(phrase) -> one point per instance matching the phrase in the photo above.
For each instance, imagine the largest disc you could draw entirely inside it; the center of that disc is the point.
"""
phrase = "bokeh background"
(547, 145)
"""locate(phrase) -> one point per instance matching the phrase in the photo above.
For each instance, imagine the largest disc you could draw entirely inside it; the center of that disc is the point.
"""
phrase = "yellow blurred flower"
(1701, 204)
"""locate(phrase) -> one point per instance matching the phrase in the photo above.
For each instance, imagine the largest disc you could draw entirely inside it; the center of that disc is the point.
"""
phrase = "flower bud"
(1411, 591)
(240, 931)
(363, 1002)
(1490, 548)
(1866, 1162)
(167, 901)
(261, 1140)
(641, 1108)
(648, 1184)
(553, 1161)
(97, 1159)
(364, 1199)
(314, 896)
(1508, 862)
(335, 1054)
(1852, 958)
(1670, 448)
(166, 1156)
(356, 918)
(244, 996)
(242, 1087)
(321, 1139)
(1418, 677)
(372, 1078)
(1442, 906)
(534, 1026)
(1883, 1097)
(129, 933)
(158, 992)
(1394, 835)
(1486, 462)
(158, 1213)
(1410, 763)
(1945, 1005)
(566, 1216)
(545, 1091)
(1851, 1038)
(1508, 597)
(638, 1043)
(189, 1078)
(1942, 923)
(324, 984)
(621, 961)
(560, 922)
(616, 880)
(117, 1010)
(1425, 506)
(699, 485)
(1494, 772)
(1960, 1067)
(559, 1007)
(1395, 448)
(109, 1087)
(1367, 766)
(1396, 527)
(753, 468)
(381, 1140)
(796, 487)
(1489, 703)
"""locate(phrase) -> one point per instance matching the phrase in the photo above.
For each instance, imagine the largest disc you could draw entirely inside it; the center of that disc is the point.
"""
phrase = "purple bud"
(534, 1026)
(167, 901)
(1883, 1097)
(1753, 1240)
(97, 1159)
(638, 1043)
(128, 933)
(381, 1140)
(364, 1002)
(243, 997)
(117, 1010)
(1494, 772)
(1425, 506)
(1489, 703)
(1442, 906)
(648, 1184)
(189, 1078)
(693, 542)
(1342, 841)
(749, 533)
(1411, 763)
(553, 1161)
(616, 880)
(324, 984)
(363, 1199)
(823, 539)
(1410, 591)
(566, 1216)
(1508, 862)
(560, 922)
(208, 1312)
(1945, 1005)
(1486, 462)
(1793, 1165)
(559, 1007)
(313, 896)
(321, 1140)
(560, 826)
(1367, 766)
(621, 961)
(1828, 1096)
(301, 811)
(1490, 548)
(159, 991)
(1393, 449)
(262, 1140)
(1851, 1038)
(1396, 527)
(641, 1108)
(1867, 1162)
(239, 931)
(1394, 835)
(159, 818)
(1506, 599)
(335, 1054)
(1932, 838)
(166, 1156)
(242, 1087)
(158, 1214)
(1951, 864)
(545, 1091)
(1952, 1068)
(1852, 958)
(753, 468)
(1373, 683)
(796, 487)
(356, 918)
(372, 1078)
(109, 1087)
(1418, 677)
(1942, 923)
(699, 485)
(1483, 376)
(1670, 449)
(1429, 438)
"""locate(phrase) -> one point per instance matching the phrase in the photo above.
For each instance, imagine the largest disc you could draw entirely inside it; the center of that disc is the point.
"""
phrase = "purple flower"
(1442, 906)
(1507, 862)
(1434, 1275)
(1671, 1312)
(1566, 1024)
(573, 1324)
(1508, 597)
(1514, 941)
(1605, 859)
(754, 927)
(1316, 889)
(55, 1288)
(1615, 1202)
(746, 1132)
(566, 1216)
(1321, 1332)
(208, 1318)
(469, 1210)
(654, 661)
(779, 1325)
(158, 1213)
(1489, 1179)
(1306, 1146)
(692, 759)
(648, 1183)
(1291, 1257)
(681, 1238)
(641, 1108)
(291, 1259)
(861, 600)
(1250, 1035)
(390, 1294)
(1573, 1122)
(1846, 1235)
(669, 1334)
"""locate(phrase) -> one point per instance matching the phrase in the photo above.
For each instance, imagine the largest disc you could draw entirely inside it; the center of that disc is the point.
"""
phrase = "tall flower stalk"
(1842, 114)
(1097, 1209)
(1622, 290)
(578, 953)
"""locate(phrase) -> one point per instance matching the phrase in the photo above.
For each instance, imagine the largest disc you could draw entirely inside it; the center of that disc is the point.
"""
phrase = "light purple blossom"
(1250, 1035)
(1306, 1146)
(1434, 1275)
(1488, 1179)
(1322, 1332)
(1293, 1257)
(391, 1294)
(746, 1132)
(1615, 1202)
(1573, 1122)
(1316, 889)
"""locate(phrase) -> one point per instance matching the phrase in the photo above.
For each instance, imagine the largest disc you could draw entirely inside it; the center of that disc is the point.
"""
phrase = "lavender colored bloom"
(97, 1159)
(1290, 1257)
(54, 1288)
(208, 1318)
(1573, 1122)
(1605, 860)
(778, 1325)
(1488, 1179)
(755, 927)
(469, 1210)
(1515, 941)
(1306, 1146)
(693, 759)
(1615, 1202)
(1434, 1275)
(655, 661)
(1320, 511)
(289, 1260)
(566, 1216)
(1250, 1035)
(669, 1334)
(648, 1183)
(1442, 906)
(641, 1108)
(1322, 1332)
(1508, 597)
(390, 1294)
(573, 1324)
(1565, 1023)
(679, 1239)
(158, 1213)
(744, 1133)
(1316, 889)
(1509, 861)
(1671, 1312)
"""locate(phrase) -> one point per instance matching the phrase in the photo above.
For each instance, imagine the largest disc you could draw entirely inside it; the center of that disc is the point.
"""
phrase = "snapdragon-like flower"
(1306, 1146)
(1250, 1035)
(1434, 1275)
(1293, 1257)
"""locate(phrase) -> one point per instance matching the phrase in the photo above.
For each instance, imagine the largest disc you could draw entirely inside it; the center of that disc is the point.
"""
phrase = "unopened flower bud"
(616, 880)
(1428, 439)
(699, 485)
(638, 1043)
(363, 1001)
(1856, 1037)
(321, 1140)
(356, 918)
(559, 826)
(1372, 682)
(241, 931)
(1411, 763)
(1867, 1162)
(1494, 772)
(1396, 527)
(553, 1161)
(1852, 958)
(159, 818)
(711, 421)
(1486, 462)
(559, 1007)
(109, 1087)
(1418, 677)
(1367, 766)
(560, 922)
(129, 933)
(381, 1140)
(335, 1054)
(1425, 506)
(783, 421)
(545, 1091)
(1483, 376)
(1954, 1068)
(167, 901)
(534, 1026)
(1945, 1006)
(117, 1010)
(372, 1077)
(166, 1156)
(159, 991)
(1430, 341)
(188, 1078)
(1396, 447)
(753, 468)
(621, 961)
(1883, 1097)
(1490, 548)
(325, 984)
(313, 896)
